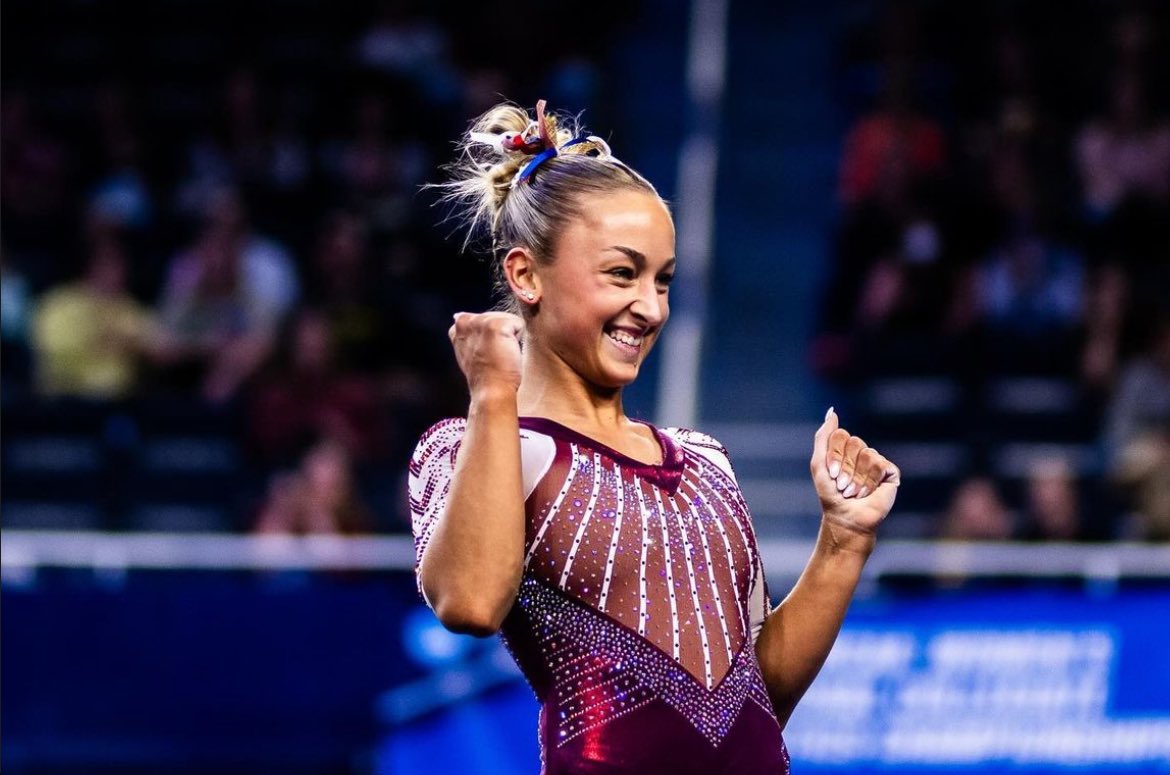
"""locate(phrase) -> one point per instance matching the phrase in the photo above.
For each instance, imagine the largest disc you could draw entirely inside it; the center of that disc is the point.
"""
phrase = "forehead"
(633, 219)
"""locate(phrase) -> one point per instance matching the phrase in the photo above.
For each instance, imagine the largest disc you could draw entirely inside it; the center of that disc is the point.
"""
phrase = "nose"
(649, 306)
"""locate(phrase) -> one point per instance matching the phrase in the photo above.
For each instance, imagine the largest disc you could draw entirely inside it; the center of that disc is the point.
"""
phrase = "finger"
(451, 333)
(871, 467)
(513, 325)
(853, 447)
(836, 458)
(892, 475)
(821, 440)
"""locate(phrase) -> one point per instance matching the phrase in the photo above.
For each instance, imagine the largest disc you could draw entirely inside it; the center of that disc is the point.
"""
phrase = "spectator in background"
(90, 337)
(890, 302)
(1031, 286)
(15, 311)
(319, 498)
(257, 143)
(1137, 436)
(234, 151)
(1124, 163)
(306, 396)
(119, 194)
(347, 289)
(376, 167)
(977, 513)
(376, 325)
(404, 42)
(224, 300)
(891, 285)
(1028, 291)
(1124, 155)
(892, 146)
(1054, 508)
(34, 188)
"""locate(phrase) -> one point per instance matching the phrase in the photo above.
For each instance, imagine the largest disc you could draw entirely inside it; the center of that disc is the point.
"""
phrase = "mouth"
(628, 341)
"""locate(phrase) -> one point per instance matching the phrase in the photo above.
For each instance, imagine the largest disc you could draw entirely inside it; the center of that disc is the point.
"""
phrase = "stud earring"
(529, 295)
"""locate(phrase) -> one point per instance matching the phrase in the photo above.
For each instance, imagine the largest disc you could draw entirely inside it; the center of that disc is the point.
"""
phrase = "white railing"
(22, 551)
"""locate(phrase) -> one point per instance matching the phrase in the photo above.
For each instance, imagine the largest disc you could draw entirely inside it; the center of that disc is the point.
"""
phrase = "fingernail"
(843, 482)
(828, 412)
(834, 469)
(863, 492)
(849, 491)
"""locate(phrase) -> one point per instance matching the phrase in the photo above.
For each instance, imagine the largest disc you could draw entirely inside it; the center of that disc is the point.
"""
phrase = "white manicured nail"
(834, 469)
(828, 412)
(843, 481)
(849, 491)
(863, 492)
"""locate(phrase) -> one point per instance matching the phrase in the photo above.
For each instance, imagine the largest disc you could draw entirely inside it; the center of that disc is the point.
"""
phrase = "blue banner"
(1019, 680)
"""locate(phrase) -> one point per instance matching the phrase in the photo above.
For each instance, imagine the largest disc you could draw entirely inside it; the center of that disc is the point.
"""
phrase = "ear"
(520, 268)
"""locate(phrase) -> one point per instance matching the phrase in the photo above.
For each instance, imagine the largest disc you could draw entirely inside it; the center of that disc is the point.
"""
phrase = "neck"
(550, 388)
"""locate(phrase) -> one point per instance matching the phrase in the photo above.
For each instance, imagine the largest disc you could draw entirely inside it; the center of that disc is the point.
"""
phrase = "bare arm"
(856, 486)
(800, 632)
(470, 570)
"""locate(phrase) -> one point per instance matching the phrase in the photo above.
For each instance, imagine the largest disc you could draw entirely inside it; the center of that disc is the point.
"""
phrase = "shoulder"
(55, 297)
(697, 440)
(59, 306)
(705, 446)
(440, 442)
(437, 447)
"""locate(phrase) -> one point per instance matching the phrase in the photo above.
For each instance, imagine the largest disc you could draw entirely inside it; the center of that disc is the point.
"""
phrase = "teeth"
(624, 338)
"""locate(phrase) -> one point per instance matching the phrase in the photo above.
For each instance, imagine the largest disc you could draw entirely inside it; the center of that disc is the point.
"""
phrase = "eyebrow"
(638, 257)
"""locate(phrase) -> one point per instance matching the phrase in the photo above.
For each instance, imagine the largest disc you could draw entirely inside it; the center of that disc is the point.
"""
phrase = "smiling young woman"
(617, 560)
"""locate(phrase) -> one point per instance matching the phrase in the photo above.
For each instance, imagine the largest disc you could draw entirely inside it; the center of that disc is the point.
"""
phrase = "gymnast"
(617, 560)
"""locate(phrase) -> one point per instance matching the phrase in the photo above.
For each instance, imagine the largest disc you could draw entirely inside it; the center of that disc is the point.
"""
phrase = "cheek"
(572, 327)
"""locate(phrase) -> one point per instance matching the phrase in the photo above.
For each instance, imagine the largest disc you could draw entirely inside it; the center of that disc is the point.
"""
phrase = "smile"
(625, 338)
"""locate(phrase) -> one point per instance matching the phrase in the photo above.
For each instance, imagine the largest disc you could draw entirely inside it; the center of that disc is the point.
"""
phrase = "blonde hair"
(496, 194)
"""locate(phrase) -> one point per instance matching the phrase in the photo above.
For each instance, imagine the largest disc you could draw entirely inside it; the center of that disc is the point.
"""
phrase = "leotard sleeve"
(429, 479)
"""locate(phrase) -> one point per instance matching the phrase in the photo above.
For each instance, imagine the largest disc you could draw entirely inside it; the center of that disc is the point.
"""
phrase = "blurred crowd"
(232, 219)
(1005, 210)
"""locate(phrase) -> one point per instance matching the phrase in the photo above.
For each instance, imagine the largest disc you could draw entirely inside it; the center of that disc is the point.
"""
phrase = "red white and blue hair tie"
(509, 142)
(529, 168)
(538, 140)
(548, 153)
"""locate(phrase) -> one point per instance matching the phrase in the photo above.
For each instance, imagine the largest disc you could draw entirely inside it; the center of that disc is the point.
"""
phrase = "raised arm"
(856, 487)
(470, 569)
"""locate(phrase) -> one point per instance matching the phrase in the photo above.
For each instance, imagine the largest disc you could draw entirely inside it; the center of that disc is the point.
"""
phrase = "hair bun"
(506, 147)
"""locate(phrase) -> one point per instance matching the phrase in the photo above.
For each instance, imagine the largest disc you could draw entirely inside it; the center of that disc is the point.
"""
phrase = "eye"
(666, 278)
(622, 272)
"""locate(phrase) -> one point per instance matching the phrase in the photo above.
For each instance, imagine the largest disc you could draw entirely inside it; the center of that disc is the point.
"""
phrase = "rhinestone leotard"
(641, 597)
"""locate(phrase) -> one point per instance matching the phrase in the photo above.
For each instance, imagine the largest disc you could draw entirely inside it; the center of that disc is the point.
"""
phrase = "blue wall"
(235, 672)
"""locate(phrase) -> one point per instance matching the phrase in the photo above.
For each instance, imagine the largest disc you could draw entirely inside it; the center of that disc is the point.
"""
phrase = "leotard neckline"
(666, 474)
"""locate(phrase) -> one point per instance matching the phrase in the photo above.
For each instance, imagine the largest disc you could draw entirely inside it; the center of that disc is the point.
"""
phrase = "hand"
(855, 483)
(487, 348)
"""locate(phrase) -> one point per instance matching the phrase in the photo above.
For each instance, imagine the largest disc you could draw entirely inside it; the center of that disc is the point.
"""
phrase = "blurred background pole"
(698, 163)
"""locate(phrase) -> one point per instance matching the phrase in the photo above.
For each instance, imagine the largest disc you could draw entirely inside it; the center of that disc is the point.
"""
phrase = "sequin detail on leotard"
(641, 587)
(600, 670)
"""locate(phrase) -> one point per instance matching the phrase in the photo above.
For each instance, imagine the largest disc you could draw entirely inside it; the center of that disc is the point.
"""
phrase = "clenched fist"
(487, 348)
(855, 483)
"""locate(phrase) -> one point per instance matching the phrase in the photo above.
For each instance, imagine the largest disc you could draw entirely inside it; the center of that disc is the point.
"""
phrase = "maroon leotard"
(637, 612)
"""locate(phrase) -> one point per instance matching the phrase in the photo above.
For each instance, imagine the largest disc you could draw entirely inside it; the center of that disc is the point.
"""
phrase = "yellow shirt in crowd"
(88, 345)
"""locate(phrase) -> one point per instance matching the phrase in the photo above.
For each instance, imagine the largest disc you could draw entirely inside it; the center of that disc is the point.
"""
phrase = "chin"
(618, 376)
(609, 373)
